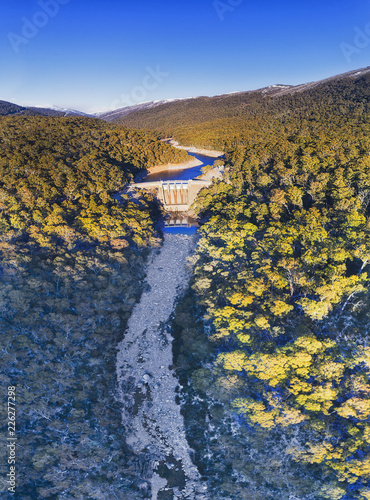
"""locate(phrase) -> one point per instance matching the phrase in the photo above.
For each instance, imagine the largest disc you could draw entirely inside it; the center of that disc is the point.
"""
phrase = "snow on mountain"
(69, 111)
(113, 115)
(120, 112)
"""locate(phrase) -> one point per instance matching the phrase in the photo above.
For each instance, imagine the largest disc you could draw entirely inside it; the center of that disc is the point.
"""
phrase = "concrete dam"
(176, 196)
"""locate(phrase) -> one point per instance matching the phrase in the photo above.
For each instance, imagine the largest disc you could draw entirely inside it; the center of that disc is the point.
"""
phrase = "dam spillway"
(176, 195)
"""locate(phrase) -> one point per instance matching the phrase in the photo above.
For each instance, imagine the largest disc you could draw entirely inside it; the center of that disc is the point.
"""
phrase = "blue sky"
(94, 55)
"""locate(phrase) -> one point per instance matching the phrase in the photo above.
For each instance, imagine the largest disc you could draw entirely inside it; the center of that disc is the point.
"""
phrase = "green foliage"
(62, 315)
(238, 462)
(246, 118)
(57, 177)
(282, 262)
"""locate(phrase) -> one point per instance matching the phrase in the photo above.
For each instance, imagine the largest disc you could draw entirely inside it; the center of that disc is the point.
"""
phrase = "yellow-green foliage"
(285, 249)
(57, 177)
(246, 118)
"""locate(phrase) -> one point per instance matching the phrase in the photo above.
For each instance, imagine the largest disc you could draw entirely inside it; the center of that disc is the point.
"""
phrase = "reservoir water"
(178, 223)
(183, 174)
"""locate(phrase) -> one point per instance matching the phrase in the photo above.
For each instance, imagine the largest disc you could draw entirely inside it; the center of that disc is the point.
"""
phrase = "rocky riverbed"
(148, 387)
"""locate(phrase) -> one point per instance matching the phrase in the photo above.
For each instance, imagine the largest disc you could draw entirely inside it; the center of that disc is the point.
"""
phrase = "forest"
(240, 119)
(271, 340)
(281, 284)
(57, 177)
(71, 269)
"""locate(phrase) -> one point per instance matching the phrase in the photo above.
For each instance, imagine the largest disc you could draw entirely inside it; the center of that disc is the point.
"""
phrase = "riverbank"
(193, 149)
(174, 166)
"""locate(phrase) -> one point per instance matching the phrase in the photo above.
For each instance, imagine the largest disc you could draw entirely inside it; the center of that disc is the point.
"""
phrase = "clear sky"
(98, 55)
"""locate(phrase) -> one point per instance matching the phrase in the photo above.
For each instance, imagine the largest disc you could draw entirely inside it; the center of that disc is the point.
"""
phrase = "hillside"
(226, 120)
(282, 275)
(112, 116)
(71, 269)
(56, 176)
(9, 108)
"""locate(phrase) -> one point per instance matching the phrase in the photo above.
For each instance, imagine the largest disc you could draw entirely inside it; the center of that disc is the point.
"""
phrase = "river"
(147, 385)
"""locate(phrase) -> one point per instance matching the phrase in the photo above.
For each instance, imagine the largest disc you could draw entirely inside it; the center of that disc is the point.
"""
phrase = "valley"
(190, 333)
(148, 387)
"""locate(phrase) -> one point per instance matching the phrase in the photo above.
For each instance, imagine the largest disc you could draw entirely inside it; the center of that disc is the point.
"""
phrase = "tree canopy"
(58, 175)
(71, 269)
(282, 271)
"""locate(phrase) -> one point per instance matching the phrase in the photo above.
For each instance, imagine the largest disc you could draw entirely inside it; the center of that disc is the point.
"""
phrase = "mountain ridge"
(244, 117)
(275, 89)
(8, 108)
(115, 115)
